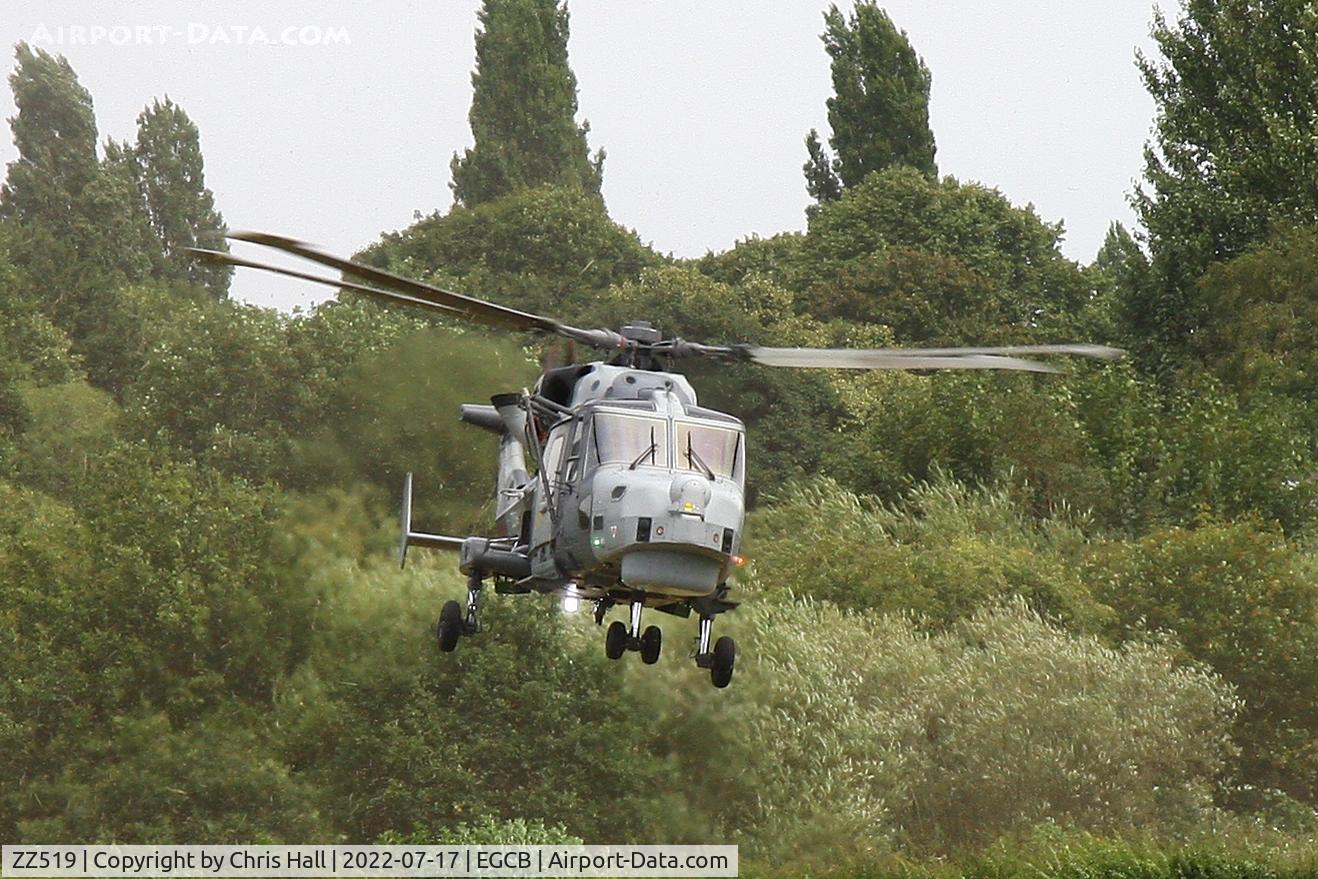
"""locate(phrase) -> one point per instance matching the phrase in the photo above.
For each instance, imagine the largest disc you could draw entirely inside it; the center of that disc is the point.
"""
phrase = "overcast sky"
(335, 122)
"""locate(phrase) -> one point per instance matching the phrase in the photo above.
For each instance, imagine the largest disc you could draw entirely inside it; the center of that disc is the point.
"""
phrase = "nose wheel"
(620, 637)
(454, 622)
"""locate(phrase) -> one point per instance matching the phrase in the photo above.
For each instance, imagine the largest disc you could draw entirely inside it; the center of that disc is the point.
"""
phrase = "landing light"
(738, 560)
(571, 598)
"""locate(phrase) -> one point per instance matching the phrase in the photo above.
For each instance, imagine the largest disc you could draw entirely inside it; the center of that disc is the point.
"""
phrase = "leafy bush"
(945, 551)
(853, 732)
(519, 723)
(487, 831)
(1242, 599)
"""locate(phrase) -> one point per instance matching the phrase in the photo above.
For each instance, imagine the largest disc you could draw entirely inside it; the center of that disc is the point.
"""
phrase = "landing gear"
(453, 623)
(450, 626)
(622, 637)
(615, 640)
(725, 657)
(651, 642)
(471, 625)
(721, 660)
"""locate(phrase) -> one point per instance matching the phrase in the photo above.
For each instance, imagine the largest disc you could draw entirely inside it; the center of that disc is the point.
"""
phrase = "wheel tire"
(615, 639)
(450, 626)
(651, 643)
(725, 657)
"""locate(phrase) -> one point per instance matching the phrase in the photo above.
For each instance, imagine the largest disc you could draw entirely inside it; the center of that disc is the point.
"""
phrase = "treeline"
(1004, 618)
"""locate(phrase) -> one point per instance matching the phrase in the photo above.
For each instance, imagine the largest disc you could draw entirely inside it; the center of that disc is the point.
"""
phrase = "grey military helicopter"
(637, 495)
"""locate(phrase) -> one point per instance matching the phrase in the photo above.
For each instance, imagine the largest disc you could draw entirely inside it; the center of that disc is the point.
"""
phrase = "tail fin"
(419, 538)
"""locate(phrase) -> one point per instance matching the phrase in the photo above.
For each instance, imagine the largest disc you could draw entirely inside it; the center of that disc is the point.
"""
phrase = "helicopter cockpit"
(643, 440)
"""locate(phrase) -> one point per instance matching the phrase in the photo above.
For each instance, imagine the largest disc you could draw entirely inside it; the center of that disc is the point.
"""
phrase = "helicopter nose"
(690, 494)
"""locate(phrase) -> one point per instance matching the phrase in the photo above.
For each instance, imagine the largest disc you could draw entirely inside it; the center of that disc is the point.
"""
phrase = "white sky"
(701, 105)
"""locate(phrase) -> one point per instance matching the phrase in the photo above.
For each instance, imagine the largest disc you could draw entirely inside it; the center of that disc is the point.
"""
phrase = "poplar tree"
(879, 112)
(523, 107)
(76, 227)
(55, 134)
(180, 209)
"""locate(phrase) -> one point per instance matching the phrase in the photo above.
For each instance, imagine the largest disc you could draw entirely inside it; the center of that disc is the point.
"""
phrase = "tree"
(879, 112)
(821, 179)
(1235, 150)
(542, 249)
(523, 107)
(180, 209)
(78, 232)
(55, 133)
(1004, 260)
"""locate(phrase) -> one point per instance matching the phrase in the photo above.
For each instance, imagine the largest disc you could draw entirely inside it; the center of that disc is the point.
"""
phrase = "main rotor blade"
(880, 358)
(1100, 352)
(478, 310)
(225, 258)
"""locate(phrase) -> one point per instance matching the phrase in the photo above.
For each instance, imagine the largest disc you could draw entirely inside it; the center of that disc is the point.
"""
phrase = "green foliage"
(821, 180)
(903, 430)
(524, 107)
(544, 249)
(185, 614)
(33, 346)
(1228, 459)
(788, 413)
(69, 428)
(150, 782)
(926, 298)
(523, 723)
(861, 732)
(487, 831)
(879, 111)
(1004, 261)
(393, 411)
(1243, 600)
(775, 258)
(204, 637)
(55, 133)
(168, 168)
(1119, 273)
(77, 232)
(1265, 338)
(1233, 150)
(944, 553)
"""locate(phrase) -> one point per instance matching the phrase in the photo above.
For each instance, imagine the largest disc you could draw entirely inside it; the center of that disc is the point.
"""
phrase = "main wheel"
(450, 626)
(651, 642)
(725, 657)
(615, 639)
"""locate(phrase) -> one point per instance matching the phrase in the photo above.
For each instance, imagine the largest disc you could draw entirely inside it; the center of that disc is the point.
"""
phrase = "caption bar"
(369, 860)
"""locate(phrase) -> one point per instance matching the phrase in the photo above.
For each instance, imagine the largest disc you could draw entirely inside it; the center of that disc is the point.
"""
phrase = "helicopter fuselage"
(638, 491)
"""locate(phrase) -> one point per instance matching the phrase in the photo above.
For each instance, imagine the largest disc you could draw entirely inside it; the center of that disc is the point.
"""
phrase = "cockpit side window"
(702, 447)
(554, 452)
(631, 439)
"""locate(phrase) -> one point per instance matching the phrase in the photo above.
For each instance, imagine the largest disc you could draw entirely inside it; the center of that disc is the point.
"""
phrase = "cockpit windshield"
(631, 439)
(708, 449)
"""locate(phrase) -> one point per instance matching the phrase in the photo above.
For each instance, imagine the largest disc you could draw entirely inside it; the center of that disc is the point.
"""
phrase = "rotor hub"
(641, 331)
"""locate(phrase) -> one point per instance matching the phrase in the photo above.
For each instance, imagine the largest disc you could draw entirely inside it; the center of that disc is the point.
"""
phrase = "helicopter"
(636, 497)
